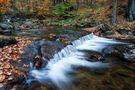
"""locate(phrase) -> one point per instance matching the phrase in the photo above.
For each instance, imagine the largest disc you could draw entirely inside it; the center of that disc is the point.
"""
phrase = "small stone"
(1, 85)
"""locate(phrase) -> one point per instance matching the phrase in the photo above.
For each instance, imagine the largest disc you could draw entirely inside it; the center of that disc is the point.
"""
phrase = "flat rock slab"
(4, 41)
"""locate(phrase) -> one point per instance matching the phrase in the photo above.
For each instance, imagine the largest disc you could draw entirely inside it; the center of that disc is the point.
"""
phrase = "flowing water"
(72, 69)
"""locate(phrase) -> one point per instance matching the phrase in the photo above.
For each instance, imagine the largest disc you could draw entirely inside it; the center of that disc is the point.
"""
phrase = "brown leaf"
(52, 35)
(1, 72)
(2, 78)
(7, 66)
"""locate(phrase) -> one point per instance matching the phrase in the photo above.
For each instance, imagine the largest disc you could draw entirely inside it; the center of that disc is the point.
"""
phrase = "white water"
(71, 56)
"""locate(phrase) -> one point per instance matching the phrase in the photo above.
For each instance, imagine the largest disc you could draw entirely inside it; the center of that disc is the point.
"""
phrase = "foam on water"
(71, 56)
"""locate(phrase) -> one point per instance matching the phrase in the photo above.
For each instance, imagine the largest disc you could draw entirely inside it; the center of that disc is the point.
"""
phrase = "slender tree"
(114, 11)
(131, 10)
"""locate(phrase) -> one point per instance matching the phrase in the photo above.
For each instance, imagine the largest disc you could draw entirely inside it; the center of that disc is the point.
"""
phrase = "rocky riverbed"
(38, 45)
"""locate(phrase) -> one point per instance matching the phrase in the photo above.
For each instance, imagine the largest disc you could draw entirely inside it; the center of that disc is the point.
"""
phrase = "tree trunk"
(13, 6)
(131, 10)
(114, 11)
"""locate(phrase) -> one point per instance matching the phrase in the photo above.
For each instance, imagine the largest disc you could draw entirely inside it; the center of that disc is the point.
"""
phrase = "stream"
(84, 63)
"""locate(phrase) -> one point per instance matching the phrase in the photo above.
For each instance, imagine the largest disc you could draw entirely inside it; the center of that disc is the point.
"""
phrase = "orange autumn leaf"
(4, 1)
(2, 78)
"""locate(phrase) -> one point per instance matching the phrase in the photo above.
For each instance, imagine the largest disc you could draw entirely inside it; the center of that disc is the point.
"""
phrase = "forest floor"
(102, 13)
(93, 15)
(8, 55)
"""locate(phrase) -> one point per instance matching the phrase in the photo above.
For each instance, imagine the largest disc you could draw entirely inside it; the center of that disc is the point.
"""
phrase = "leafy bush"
(86, 22)
(64, 10)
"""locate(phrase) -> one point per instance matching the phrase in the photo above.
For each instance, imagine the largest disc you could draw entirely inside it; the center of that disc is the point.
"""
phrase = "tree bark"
(13, 6)
(131, 10)
(114, 11)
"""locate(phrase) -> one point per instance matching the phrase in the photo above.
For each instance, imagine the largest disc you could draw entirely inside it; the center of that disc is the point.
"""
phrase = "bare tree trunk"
(13, 6)
(131, 10)
(114, 11)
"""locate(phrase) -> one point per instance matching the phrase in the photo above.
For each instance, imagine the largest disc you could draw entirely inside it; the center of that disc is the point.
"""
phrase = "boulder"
(5, 26)
(4, 41)
(45, 50)
(50, 48)
(123, 31)
(30, 52)
(126, 52)
(129, 53)
(103, 28)
(5, 32)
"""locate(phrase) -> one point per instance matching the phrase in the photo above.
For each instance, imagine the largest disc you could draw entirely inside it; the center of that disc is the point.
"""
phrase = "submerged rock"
(130, 54)
(126, 52)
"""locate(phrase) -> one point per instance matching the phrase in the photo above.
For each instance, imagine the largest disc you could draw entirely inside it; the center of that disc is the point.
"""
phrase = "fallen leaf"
(2, 78)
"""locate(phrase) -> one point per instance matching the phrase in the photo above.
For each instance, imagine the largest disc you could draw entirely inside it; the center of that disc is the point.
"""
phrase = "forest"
(67, 44)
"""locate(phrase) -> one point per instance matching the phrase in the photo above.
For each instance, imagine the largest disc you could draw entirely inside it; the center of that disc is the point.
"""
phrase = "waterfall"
(62, 63)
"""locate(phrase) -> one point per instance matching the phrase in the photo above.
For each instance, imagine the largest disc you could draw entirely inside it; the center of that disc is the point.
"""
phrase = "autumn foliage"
(4, 6)
(9, 54)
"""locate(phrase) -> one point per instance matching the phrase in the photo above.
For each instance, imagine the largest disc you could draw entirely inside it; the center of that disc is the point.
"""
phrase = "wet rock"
(123, 31)
(71, 35)
(5, 32)
(45, 50)
(130, 55)
(128, 52)
(4, 41)
(30, 52)
(103, 28)
(5, 26)
(107, 33)
(124, 51)
(29, 24)
(49, 49)
(130, 35)
(25, 27)
(16, 25)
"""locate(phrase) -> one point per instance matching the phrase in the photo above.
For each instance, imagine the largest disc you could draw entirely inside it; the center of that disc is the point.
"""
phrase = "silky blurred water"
(71, 69)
